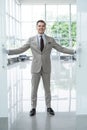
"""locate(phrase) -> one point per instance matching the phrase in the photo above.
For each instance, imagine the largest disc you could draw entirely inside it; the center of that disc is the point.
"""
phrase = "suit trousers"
(35, 83)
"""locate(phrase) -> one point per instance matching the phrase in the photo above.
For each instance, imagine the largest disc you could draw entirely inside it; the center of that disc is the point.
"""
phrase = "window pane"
(64, 42)
(38, 12)
(11, 27)
(17, 33)
(17, 12)
(11, 7)
(28, 29)
(59, 19)
(51, 12)
(33, 12)
(63, 12)
(7, 6)
(26, 12)
(49, 29)
(60, 29)
(14, 9)
(7, 25)
(13, 32)
(73, 12)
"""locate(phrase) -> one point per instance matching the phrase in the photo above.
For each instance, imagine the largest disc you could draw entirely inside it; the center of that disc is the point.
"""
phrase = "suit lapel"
(36, 43)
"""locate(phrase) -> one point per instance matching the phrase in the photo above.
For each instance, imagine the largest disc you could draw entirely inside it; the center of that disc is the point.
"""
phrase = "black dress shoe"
(50, 111)
(32, 112)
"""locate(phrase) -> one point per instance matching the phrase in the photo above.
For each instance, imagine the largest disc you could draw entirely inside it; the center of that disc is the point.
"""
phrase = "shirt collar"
(40, 35)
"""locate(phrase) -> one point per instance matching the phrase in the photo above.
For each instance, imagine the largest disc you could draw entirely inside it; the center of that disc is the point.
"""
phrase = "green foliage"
(61, 31)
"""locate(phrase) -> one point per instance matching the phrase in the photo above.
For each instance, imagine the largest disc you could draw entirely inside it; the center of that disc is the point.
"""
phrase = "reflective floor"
(63, 93)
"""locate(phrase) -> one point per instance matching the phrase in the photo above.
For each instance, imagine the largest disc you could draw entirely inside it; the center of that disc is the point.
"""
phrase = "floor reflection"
(81, 122)
(62, 88)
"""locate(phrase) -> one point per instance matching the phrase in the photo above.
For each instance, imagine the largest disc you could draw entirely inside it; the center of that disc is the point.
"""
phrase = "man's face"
(41, 27)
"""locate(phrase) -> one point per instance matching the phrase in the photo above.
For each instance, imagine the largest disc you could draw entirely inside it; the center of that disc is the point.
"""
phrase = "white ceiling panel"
(47, 1)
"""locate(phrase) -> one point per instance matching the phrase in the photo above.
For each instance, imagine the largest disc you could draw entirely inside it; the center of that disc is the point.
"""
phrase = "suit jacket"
(41, 59)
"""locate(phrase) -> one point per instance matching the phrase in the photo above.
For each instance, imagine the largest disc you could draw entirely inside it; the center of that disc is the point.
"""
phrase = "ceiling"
(47, 1)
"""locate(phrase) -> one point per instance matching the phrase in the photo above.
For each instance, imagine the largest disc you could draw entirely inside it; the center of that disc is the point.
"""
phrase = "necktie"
(41, 43)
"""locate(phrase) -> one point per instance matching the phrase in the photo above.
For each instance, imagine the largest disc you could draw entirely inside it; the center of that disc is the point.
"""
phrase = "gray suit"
(41, 64)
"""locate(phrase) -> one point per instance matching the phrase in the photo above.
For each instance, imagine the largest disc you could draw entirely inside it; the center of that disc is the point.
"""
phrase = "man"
(41, 64)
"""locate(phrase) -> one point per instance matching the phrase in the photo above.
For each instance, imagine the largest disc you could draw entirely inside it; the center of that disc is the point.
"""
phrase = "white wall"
(3, 78)
(81, 80)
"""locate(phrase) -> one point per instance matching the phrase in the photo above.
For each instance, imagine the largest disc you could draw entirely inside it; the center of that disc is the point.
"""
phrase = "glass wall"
(20, 25)
(21, 22)
(13, 40)
(13, 24)
(3, 69)
(61, 24)
(60, 19)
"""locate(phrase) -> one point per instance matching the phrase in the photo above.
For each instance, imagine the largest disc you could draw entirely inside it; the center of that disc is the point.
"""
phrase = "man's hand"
(76, 52)
(74, 55)
(78, 49)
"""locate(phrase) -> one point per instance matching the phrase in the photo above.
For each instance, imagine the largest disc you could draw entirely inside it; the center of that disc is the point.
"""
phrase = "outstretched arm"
(62, 49)
(18, 50)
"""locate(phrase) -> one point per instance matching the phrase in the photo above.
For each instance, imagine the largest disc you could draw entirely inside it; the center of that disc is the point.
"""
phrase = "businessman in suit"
(41, 46)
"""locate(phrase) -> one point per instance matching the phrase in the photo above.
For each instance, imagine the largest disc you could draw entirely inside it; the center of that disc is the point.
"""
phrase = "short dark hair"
(42, 21)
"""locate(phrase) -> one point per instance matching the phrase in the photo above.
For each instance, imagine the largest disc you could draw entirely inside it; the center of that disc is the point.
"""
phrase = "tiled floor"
(63, 97)
(61, 121)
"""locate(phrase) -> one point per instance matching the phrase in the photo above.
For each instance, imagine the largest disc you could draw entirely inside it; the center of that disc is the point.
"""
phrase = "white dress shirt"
(38, 38)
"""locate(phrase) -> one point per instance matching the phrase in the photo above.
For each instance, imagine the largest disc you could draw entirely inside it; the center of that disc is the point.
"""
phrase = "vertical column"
(3, 64)
(81, 79)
